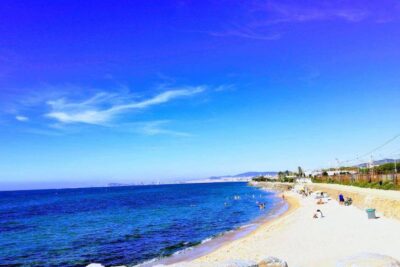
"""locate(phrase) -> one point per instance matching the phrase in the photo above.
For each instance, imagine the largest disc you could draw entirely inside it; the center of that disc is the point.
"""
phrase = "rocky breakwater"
(274, 186)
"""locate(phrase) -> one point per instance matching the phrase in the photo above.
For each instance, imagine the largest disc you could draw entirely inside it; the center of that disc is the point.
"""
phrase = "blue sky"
(93, 92)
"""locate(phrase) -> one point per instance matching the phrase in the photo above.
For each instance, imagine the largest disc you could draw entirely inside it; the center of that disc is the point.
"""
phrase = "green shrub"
(374, 185)
(388, 186)
(361, 184)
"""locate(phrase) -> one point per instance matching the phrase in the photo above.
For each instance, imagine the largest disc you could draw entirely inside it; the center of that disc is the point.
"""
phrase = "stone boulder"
(368, 260)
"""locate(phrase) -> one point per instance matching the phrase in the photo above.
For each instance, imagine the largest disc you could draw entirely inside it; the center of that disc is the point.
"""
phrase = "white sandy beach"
(303, 241)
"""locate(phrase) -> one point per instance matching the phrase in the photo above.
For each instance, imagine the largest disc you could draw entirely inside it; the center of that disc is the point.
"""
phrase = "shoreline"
(292, 204)
(208, 246)
(342, 236)
(289, 204)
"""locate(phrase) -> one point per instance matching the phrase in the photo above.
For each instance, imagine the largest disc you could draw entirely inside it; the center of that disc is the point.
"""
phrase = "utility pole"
(372, 169)
(338, 167)
(358, 168)
(395, 171)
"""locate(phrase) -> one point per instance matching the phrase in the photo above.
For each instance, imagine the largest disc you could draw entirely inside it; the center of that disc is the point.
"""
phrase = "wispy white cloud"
(279, 12)
(158, 128)
(103, 107)
(246, 32)
(21, 118)
(262, 20)
(62, 110)
(274, 12)
(225, 87)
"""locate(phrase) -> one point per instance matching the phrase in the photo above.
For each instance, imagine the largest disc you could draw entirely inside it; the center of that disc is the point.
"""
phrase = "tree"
(300, 171)
(386, 168)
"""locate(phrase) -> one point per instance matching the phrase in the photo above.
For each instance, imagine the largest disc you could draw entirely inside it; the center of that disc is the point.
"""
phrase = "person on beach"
(348, 201)
(341, 199)
(320, 212)
(315, 216)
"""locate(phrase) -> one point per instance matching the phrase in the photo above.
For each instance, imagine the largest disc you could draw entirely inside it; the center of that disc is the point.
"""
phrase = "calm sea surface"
(119, 225)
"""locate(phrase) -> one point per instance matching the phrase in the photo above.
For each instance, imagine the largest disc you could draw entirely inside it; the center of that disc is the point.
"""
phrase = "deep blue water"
(119, 225)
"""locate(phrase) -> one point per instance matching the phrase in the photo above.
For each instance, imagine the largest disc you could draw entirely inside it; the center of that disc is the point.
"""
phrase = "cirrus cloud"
(21, 118)
(103, 107)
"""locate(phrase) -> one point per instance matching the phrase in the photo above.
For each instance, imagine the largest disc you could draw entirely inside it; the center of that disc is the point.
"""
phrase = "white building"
(303, 180)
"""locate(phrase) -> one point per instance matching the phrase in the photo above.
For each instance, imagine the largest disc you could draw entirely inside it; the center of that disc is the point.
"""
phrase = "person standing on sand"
(341, 199)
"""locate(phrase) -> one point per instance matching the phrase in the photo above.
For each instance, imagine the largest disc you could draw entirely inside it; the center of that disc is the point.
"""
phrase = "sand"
(385, 201)
(303, 241)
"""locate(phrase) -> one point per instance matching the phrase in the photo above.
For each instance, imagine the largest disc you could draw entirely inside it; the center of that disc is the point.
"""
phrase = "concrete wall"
(386, 202)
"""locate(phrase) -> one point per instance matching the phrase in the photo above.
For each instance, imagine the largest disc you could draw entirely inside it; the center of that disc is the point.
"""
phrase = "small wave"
(206, 240)
(146, 262)
(247, 226)
(183, 250)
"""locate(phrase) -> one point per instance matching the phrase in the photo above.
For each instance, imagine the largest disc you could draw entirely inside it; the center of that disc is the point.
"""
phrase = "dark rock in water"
(368, 260)
(272, 262)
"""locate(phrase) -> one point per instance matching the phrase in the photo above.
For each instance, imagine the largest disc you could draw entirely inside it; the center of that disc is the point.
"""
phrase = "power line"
(374, 150)
(384, 144)
(395, 152)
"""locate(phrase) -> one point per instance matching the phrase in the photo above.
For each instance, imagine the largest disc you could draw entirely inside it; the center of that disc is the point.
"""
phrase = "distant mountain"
(241, 177)
(252, 174)
(378, 162)
(246, 174)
